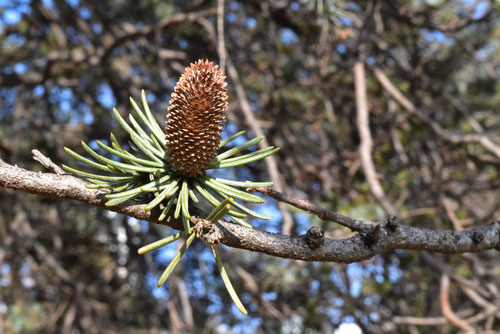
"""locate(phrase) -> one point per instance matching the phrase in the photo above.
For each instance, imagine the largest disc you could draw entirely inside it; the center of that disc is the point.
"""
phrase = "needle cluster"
(168, 169)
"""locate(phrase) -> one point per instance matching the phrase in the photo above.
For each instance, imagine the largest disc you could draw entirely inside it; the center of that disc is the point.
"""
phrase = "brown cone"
(196, 118)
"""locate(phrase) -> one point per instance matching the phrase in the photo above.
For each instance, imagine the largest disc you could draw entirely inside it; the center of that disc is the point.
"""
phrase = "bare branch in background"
(58, 62)
(446, 307)
(271, 163)
(253, 123)
(366, 145)
(481, 139)
(221, 45)
(428, 130)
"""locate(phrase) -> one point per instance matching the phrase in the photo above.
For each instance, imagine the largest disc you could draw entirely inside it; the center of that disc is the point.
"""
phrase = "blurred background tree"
(67, 267)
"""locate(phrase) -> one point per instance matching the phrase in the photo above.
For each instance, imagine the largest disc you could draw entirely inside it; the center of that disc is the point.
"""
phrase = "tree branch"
(485, 141)
(353, 224)
(271, 163)
(46, 162)
(251, 121)
(446, 307)
(60, 61)
(385, 235)
(366, 141)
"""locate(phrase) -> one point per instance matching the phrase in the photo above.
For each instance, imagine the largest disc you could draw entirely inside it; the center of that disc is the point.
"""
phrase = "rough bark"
(374, 238)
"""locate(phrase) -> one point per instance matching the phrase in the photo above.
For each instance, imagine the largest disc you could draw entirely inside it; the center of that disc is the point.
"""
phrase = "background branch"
(271, 163)
(433, 126)
(250, 119)
(366, 144)
(446, 307)
(481, 139)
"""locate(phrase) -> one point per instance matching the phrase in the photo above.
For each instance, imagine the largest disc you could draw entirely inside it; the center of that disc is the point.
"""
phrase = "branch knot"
(372, 236)
(210, 233)
(392, 223)
(315, 236)
(477, 237)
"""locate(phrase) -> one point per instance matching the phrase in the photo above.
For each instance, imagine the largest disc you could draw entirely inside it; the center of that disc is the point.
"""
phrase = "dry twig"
(444, 134)
(365, 147)
(446, 308)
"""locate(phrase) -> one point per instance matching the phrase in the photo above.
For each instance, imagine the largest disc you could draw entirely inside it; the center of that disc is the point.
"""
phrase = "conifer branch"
(391, 235)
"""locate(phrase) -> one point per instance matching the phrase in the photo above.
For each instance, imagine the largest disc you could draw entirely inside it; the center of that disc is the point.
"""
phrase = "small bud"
(392, 223)
(477, 237)
(315, 236)
(372, 236)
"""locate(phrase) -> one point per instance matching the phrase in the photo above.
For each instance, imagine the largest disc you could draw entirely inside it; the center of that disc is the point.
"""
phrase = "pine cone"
(196, 118)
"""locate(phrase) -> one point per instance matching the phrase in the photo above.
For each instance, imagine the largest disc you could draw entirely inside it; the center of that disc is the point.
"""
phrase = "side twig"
(46, 162)
(353, 224)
